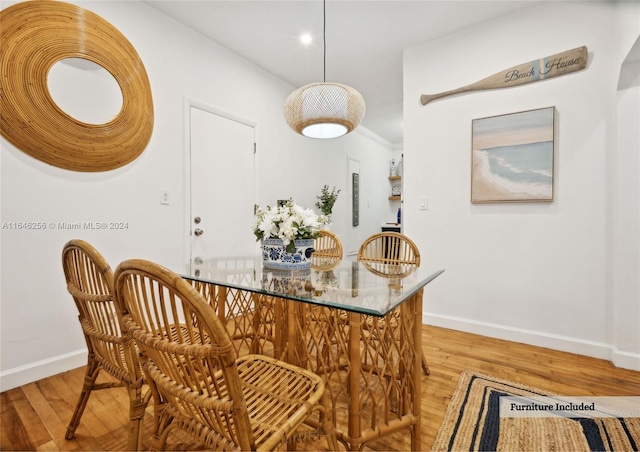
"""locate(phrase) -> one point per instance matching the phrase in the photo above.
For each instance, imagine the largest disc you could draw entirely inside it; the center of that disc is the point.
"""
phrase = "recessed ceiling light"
(306, 38)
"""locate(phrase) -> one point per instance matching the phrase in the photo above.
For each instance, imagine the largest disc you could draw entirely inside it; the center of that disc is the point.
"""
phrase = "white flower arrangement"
(288, 222)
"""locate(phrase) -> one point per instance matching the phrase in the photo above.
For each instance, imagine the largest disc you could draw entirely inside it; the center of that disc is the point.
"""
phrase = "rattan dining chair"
(391, 254)
(327, 245)
(199, 384)
(90, 282)
(327, 251)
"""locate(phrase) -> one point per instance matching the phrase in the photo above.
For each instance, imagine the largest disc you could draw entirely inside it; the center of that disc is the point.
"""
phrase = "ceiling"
(364, 40)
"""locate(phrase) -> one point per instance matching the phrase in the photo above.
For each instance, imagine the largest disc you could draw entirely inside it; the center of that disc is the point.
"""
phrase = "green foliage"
(327, 199)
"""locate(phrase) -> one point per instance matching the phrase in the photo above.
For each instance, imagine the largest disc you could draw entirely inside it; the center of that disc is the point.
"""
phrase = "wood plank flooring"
(35, 416)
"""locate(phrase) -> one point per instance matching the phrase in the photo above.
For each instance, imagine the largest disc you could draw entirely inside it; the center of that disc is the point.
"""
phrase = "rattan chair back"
(89, 280)
(389, 253)
(327, 245)
(198, 383)
(327, 251)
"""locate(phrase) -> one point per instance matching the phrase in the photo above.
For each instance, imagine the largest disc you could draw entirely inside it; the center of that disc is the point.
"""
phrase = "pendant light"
(324, 110)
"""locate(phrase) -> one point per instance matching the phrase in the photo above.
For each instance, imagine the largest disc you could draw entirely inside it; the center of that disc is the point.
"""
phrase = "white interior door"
(222, 187)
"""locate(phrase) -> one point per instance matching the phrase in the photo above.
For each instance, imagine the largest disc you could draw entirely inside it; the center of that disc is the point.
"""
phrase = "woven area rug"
(473, 423)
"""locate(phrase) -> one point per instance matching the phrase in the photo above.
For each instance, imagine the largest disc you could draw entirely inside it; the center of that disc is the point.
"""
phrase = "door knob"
(198, 260)
(198, 232)
(197, 220)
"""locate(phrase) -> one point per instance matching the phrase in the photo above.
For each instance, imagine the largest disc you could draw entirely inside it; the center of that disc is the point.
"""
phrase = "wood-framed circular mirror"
(34, 36)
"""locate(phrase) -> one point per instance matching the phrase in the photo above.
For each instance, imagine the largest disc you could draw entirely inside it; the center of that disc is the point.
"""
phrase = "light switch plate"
(165, 198)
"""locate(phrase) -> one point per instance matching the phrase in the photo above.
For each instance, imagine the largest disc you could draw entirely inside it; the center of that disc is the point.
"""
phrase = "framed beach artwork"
(512, 157)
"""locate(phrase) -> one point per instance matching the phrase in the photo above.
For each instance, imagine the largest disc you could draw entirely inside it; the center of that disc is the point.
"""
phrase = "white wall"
(40, 335)
(625, 214)
(305, 161)
(537, 273)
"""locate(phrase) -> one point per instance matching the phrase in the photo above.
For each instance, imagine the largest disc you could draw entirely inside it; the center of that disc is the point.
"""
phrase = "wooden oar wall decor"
(541, 69)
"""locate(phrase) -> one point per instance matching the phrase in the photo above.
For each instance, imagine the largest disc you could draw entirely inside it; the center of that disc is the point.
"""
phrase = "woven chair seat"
(278, 393)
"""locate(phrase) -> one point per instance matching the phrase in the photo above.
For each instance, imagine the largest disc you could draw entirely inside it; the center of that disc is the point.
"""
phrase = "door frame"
(188, 103)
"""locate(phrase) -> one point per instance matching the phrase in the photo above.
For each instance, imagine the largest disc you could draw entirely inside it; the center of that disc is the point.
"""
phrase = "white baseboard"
(22, 375)
(600, 350)
(625, 360)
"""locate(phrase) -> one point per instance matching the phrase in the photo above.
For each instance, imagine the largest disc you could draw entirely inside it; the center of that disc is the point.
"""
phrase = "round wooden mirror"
(34, 36)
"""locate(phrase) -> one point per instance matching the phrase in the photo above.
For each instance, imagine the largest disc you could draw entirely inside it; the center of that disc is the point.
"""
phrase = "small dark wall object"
(355, 201)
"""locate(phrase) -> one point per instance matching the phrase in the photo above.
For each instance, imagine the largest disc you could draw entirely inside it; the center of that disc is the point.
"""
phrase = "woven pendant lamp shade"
(324, 110)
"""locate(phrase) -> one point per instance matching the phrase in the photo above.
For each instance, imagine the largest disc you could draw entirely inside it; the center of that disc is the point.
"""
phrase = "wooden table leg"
(280, 330)
(354, 429)
(416, 371)
(295, 352)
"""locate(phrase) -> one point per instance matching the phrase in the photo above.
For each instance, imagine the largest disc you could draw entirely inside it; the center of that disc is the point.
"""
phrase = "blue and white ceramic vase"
(274, 254)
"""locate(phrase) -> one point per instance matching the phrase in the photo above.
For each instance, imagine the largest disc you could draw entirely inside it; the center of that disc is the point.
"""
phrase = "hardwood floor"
(35, 416)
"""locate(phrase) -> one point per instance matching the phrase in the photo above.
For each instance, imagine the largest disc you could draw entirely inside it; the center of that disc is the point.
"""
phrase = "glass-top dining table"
(357, 325)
